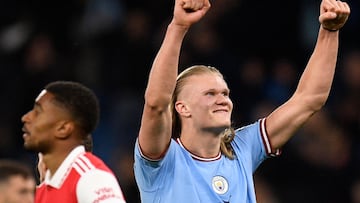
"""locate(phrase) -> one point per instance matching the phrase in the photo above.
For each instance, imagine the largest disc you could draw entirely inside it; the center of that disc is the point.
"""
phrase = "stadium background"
(260, 46)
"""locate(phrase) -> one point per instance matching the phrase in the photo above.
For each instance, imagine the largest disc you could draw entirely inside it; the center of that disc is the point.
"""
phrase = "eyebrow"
(217, 90)
(38, 105)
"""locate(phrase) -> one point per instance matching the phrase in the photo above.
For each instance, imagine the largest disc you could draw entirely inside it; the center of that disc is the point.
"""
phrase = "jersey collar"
(198, 157)
(64, 169)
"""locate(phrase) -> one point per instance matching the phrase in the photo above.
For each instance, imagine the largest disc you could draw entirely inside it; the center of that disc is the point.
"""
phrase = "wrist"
(178, 28)
(329, 29)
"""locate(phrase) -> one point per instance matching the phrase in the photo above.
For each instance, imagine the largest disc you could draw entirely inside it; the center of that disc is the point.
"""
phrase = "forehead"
(206, 81)
(46, 100)
(44, 96)
(20, 181)
(42, 93)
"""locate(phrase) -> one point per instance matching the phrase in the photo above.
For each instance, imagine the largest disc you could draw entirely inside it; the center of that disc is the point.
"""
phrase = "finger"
(207, 4)
(345, 8)
(193, 5)
(332, 6)
(187, 4)
(327, 16)
(198, 4)
(336, 6)
(40, 156)
(340, 8)
(341, 5)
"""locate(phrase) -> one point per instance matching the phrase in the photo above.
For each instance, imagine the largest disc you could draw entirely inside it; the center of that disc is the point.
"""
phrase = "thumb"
(327, 16)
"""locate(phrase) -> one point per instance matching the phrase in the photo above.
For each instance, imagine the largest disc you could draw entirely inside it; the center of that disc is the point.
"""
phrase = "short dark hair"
(10, 168)
(80, 101)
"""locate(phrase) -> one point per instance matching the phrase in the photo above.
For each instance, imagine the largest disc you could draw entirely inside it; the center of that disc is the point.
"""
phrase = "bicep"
(155, 132)
(282, 123)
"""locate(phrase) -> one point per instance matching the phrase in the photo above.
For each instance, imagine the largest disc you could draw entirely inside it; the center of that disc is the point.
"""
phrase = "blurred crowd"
(260, 46)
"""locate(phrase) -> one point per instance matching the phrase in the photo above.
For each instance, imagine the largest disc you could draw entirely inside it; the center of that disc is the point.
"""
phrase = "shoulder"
(96, 181)
(253, 127)
(87, 162)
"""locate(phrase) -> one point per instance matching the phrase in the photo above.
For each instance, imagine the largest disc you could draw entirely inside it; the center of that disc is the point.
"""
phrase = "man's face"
(206, 97)
(42, 123)
(17, 190)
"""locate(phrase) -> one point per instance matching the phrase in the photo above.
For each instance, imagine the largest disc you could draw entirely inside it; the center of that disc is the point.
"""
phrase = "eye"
(210, 93)
(225, 94)
(36, 110)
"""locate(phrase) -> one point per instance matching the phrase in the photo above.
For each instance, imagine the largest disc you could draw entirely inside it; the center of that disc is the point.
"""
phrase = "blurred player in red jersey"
(64, 114)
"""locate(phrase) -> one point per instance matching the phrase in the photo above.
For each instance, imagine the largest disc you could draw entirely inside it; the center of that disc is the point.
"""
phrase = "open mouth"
(25, 132)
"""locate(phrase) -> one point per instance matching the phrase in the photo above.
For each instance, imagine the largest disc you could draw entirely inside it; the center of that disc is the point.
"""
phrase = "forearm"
(156, 123)
(315, 82)
(164, 70)
(311, 94)
(155, 131)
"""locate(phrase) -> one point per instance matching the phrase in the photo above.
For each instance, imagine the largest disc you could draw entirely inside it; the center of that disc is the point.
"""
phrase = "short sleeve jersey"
(183, 177)
(81, 178)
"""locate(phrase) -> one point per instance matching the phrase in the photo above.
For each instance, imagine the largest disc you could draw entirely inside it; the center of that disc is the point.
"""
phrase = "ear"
(64, 129)
(182, 109)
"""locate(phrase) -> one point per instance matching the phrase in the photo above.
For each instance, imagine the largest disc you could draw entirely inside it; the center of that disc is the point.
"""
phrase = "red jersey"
(81, 178)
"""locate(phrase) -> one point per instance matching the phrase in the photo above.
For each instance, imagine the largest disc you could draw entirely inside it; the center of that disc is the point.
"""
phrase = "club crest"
(220, 185)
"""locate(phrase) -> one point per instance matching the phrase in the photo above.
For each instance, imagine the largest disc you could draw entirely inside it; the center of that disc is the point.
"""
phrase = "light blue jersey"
(181, 177)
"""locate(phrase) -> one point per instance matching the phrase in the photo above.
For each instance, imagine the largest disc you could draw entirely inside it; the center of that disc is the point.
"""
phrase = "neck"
(205, 145)
(54, 159)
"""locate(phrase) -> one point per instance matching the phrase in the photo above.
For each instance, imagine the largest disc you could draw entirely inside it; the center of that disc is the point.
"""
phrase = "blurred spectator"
(355, 191)
(282, 81)
(123, 170)
(323, 143)
(264, 191)
(17, 182)
(249, 88)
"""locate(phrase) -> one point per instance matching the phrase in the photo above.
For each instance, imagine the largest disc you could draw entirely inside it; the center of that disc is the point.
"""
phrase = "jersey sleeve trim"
(145, 157)
(266, 140)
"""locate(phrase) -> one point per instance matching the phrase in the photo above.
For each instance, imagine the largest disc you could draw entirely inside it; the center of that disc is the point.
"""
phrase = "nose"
(222, 99)
(26, 117)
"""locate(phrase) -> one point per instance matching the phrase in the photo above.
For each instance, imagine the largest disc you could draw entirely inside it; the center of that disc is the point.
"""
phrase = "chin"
(218, 129)
(225, 125)
(30, 147)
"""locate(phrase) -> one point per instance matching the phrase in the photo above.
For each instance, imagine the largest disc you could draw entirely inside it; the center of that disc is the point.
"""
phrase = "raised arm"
(155, 130)
(315, 83)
